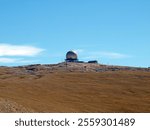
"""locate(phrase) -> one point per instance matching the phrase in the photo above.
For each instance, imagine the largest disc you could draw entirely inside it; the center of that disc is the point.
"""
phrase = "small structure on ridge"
(71, 56)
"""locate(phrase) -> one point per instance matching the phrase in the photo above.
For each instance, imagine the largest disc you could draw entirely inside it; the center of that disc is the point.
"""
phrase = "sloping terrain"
(74, 87)
(10, 106)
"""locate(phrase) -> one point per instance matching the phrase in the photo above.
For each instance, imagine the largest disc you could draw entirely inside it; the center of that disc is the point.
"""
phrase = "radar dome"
(71, 55)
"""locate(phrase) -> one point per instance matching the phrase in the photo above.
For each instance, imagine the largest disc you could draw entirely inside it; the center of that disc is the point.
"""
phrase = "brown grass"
(119, 91)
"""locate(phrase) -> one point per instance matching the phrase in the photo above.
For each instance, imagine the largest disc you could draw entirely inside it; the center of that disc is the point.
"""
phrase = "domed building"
(71, 56)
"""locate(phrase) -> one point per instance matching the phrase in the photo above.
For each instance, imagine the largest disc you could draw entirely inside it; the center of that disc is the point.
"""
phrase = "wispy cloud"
(18, 50)
(16, 60)
(78, 50)
(103, 54)
(8, 60)
(114, 55)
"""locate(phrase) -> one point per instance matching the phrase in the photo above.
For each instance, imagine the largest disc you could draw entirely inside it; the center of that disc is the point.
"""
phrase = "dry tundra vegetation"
(74, 87)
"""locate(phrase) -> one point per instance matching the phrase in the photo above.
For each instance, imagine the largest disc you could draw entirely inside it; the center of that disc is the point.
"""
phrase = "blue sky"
(115, 32)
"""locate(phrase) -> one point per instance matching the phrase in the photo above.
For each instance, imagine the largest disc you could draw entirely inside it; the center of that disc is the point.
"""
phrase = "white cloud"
(103, 54)
(90, 57)
(113, 55)
(16, 60)
(8, 60)
(78, 51)
(18, 50)
(28, 61)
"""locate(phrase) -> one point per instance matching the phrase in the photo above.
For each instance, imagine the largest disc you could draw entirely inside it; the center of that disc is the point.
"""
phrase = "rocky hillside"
(74, 87)
(67, 67)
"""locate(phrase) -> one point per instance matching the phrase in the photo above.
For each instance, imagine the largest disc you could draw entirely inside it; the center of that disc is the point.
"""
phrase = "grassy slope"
(120, 91)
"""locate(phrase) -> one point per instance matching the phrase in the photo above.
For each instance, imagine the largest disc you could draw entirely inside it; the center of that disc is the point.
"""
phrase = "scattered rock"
(38, 69)
(8, 106)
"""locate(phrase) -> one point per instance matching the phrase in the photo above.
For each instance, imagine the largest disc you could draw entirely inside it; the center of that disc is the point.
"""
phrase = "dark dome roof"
(71, 55)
